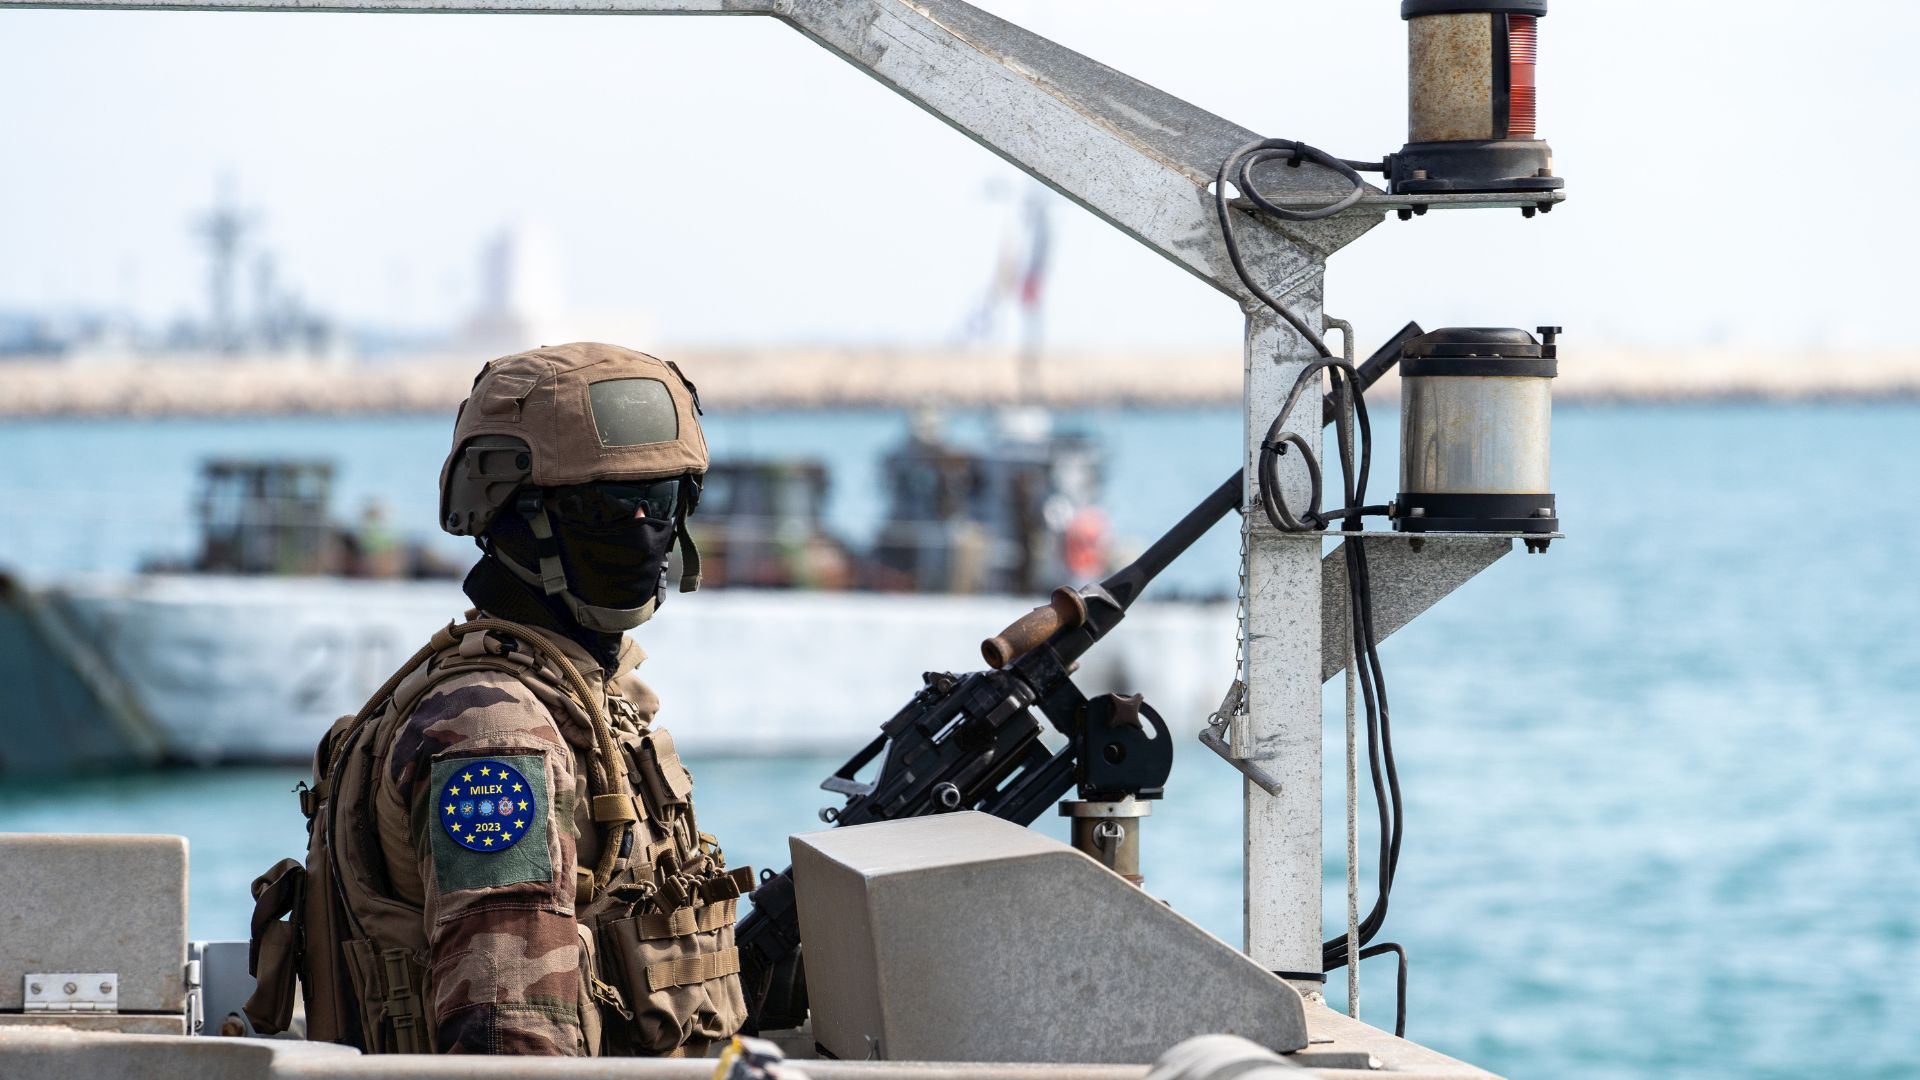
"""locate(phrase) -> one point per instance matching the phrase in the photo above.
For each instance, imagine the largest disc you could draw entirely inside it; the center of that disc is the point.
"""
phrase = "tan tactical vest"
(658, 971)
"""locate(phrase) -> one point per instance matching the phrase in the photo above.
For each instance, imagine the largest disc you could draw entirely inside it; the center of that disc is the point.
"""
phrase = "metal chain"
(1240, 606)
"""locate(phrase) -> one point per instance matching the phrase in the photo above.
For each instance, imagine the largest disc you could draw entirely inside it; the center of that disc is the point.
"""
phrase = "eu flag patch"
(492, 812)
(488, 805)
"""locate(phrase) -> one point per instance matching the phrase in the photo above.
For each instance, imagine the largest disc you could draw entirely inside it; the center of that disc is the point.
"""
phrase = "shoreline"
(746, 380)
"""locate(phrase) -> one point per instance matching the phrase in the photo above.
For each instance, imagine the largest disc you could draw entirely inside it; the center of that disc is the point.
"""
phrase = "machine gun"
(972, 742)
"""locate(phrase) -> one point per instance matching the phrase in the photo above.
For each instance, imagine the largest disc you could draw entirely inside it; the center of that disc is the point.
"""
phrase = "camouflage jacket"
(503, 950)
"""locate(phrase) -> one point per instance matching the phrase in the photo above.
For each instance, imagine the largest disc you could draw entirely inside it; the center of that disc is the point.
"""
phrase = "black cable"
(1350, 410)
(1375, 510)
(1356, 468)
(1400, 981)
(1236, 169)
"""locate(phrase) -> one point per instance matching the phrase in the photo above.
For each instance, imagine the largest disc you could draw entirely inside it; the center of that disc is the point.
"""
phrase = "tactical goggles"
(612, 504)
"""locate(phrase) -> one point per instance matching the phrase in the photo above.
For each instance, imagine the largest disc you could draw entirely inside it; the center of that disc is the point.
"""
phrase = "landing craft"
(1028, 960)
(285, 617)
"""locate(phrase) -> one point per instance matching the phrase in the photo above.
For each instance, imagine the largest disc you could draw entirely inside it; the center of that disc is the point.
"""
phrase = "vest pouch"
(326, 984)
(601, 1004)
(680, 975)
(393, 999)
(363, 971)
(273, 954)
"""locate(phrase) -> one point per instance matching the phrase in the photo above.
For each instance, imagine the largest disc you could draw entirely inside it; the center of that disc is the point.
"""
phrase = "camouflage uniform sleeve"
(488, 784)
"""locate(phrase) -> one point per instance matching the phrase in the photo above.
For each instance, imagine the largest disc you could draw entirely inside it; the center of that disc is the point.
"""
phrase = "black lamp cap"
(1413, 9)
(1472, 341)
(1479, 351)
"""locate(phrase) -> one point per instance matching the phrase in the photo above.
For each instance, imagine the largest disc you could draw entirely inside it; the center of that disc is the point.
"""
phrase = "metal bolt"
(1418, 511)
(72, 988)
(1417, 546)
(1406, 213)
(1544, 172)
(106, 988)
(1527, 211)
(1545, 511)
(33, 988)
(1419, 174)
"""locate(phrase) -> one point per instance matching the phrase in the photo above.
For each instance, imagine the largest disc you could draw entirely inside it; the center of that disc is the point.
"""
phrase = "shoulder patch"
(492, 814)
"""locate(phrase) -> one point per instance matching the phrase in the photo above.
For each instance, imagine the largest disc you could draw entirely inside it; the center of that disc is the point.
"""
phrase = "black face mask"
(621, 565)
(613, 542)
(615, 539)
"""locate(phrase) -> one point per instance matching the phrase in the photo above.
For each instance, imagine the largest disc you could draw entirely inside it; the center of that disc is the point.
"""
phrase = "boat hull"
(254, 669)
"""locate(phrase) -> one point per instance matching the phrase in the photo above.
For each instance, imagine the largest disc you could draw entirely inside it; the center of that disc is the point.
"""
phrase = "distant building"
(522, 303)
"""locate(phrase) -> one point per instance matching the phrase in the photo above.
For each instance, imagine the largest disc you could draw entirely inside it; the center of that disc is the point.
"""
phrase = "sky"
(1728, 170)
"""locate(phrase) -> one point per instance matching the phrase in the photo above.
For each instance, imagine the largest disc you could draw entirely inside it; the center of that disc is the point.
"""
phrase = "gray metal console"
(93, 932)
(962, 937)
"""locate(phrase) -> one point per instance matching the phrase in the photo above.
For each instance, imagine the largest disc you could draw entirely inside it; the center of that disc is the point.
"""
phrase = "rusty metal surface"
(1450, 78)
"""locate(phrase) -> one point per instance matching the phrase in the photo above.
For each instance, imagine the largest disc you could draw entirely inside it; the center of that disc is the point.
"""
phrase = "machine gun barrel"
(1073, 619)
(1076, 618)
(1126, 584)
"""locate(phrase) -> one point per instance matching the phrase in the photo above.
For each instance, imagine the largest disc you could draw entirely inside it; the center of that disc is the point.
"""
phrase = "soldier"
(504, 855)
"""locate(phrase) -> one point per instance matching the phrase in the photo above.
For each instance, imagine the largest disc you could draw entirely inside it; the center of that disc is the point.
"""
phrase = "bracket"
(71, 992)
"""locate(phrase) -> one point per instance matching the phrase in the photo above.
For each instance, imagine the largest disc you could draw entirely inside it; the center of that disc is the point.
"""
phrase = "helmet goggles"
(604, 504)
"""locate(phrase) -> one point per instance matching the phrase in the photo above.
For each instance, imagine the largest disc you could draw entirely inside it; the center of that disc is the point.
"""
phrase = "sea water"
(1662, 806)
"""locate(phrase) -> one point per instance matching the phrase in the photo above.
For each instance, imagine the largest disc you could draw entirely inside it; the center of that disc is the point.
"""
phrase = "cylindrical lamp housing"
(1470, 99)
(1476, 424)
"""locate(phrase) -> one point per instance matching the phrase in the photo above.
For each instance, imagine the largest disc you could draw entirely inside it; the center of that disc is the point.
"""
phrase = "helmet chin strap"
(689, 554)
(552, 578)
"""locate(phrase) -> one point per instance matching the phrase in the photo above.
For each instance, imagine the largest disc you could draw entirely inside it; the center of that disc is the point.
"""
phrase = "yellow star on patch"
(487, 840)
(455, 826)
(453, 791)
(523, 804)
(519, 824)
(449, 808)
(516, 787)
(484, 771)
(466, 776)
(506, 838)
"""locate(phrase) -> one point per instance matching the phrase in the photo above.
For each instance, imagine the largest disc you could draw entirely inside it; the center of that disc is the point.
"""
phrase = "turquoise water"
(1662, 816)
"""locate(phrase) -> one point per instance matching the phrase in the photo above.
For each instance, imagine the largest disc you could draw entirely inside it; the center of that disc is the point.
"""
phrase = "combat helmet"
(565, 415)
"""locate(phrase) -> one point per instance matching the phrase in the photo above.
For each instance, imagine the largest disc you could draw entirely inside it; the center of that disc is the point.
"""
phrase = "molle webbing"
(404, 1008)
(619, 808)
(687, 970)
(685, 921)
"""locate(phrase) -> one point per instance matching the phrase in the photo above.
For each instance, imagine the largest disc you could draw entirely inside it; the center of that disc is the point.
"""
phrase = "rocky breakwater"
(802, 378)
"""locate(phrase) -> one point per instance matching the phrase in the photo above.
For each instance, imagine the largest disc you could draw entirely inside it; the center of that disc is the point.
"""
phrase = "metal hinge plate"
(72, 992)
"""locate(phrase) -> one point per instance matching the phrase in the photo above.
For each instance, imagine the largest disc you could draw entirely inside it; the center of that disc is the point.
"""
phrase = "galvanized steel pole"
(1281, 729)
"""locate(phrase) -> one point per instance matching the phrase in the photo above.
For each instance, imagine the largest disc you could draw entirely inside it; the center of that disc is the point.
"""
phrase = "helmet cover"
(570, 414)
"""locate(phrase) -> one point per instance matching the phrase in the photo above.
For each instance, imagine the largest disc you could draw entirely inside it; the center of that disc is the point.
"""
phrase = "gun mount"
(973, 742)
